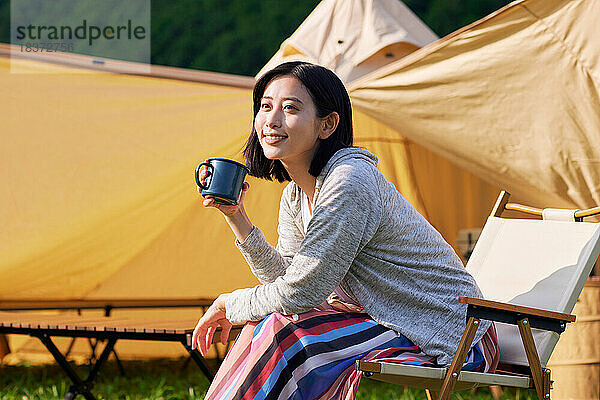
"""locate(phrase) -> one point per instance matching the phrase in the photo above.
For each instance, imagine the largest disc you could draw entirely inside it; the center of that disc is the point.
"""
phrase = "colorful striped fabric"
(312, 356)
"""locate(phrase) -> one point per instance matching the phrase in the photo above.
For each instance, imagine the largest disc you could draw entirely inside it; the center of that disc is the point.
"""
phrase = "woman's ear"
(329, 125)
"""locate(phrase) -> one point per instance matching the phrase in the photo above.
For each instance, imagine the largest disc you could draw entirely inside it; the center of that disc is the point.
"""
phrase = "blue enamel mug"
(224, 181)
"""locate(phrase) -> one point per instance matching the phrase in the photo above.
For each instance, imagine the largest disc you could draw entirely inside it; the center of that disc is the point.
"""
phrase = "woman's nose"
(273, 119)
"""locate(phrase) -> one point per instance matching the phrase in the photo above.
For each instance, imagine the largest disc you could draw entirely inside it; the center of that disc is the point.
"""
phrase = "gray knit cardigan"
(365, 236)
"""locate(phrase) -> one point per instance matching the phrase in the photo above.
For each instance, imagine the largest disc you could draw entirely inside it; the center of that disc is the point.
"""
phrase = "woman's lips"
(274, 139)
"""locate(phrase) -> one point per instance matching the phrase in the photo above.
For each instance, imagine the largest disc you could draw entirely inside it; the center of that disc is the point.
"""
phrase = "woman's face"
(287, 123)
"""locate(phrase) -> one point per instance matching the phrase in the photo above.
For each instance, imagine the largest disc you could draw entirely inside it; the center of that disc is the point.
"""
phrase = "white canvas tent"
(354, 37)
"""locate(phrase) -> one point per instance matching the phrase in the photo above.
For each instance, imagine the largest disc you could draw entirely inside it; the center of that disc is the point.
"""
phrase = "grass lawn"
(167, 379)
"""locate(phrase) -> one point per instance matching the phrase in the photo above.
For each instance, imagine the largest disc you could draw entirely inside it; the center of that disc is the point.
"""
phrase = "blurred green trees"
(239, 36)
(235, 36)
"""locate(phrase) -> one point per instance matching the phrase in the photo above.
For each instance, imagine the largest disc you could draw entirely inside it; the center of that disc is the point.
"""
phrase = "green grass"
(167, 379)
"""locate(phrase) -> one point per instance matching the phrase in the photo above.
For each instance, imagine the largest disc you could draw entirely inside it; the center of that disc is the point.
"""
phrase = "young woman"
(357, 273)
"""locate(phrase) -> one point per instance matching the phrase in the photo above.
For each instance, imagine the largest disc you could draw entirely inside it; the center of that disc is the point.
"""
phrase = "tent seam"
(566, 48)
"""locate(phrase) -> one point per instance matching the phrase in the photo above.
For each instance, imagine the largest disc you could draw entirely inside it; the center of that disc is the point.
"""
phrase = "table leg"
(79, 386)
(195, 355)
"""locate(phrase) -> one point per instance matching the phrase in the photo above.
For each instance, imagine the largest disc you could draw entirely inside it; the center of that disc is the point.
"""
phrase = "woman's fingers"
(227, 210)
(225, 330)
(203, 335)
(210, 333)
(207, 325)
(200, 336)
(245, 188)
(208, 338)
(196, 334)
(203, 175)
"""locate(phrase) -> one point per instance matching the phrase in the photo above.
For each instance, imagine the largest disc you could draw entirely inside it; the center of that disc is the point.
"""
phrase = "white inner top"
(306, 211)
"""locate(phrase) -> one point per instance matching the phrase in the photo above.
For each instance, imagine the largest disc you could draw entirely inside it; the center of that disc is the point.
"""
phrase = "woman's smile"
(273, 139)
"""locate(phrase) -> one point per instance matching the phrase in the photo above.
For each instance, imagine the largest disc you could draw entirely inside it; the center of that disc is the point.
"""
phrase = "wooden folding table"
(44, 327)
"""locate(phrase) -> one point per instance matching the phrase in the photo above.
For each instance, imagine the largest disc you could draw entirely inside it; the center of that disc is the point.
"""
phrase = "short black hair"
(329, 95)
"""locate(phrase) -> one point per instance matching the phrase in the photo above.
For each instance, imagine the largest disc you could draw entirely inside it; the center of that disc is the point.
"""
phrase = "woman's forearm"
(240, 225)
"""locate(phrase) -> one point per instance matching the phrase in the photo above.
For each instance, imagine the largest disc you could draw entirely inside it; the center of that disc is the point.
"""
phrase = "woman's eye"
(264, 106)
(289, 107)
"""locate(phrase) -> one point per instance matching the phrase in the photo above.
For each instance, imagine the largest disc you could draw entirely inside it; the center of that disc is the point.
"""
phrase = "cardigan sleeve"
(346, 215)
(267, 262)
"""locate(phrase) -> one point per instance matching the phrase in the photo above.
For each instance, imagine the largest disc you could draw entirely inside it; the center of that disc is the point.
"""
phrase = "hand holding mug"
(227, 210)
(221, 183)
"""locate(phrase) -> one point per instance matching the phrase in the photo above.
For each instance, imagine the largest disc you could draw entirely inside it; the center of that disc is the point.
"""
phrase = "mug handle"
(208, 167)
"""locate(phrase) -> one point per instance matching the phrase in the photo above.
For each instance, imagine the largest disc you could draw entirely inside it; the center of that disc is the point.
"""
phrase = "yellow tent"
(100, 199)
(99, 172)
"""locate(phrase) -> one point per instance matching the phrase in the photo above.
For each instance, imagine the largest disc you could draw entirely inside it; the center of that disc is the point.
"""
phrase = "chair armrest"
(512, 313)
(529, 311)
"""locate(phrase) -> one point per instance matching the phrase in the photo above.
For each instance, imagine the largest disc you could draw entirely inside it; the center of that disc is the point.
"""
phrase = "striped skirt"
(312, 356)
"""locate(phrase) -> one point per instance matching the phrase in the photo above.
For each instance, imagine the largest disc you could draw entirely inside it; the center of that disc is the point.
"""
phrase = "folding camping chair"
(528, 266)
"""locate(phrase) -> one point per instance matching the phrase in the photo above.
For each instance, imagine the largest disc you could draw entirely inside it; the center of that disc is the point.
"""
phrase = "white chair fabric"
(535, 263)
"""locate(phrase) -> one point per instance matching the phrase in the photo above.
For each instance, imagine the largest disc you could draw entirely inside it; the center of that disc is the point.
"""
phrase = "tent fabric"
(99, 169)
(354, 37)
(100, 189)
(99, 197)
(512, 98)
(100, 201)
(81, 64)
